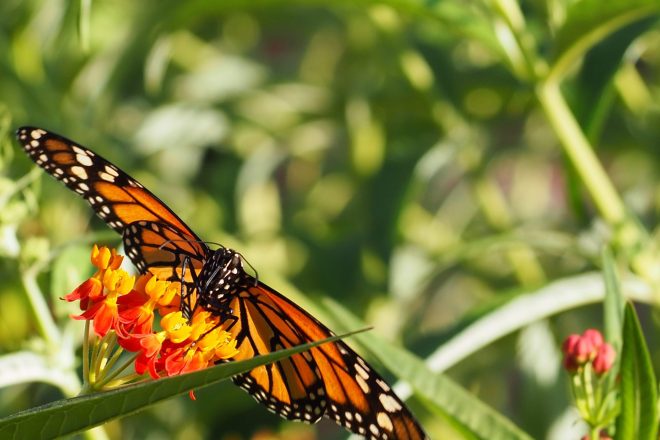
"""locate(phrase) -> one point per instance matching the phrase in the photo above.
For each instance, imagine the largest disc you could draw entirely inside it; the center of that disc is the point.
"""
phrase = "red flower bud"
(604, 359)
(580, 349)
(570, 364)
(594, 337)
(583, 351)
(569, 343)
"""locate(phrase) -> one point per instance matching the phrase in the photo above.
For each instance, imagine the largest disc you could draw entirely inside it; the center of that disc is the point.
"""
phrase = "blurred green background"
(377, 154)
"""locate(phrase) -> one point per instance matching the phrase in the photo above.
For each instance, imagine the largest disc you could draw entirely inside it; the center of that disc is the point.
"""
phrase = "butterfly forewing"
(118, 199)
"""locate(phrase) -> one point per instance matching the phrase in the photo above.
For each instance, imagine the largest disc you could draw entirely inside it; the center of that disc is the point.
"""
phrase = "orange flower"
(90, 290)
(114, 300)
(104, 258)
(151, 346)
(136, 313)
(103, 310)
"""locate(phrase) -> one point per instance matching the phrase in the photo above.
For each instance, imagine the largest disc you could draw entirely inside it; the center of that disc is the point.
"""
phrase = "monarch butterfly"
(330, 380)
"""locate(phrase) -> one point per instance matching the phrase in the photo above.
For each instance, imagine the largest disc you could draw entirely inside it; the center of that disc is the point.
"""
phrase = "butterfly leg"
(187, 309)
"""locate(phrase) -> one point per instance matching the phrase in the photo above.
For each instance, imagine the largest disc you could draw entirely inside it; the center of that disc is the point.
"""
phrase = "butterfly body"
(330, 380)
(221, 278)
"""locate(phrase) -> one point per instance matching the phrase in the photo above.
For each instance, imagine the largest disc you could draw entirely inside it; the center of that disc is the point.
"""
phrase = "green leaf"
(593, 95)
(590, 21)
(443, 396)
(638, 418)
(614, 303)
(69, 416)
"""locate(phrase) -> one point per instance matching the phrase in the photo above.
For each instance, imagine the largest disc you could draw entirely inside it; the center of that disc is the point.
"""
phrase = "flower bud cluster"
(588, 347)
(587, 357)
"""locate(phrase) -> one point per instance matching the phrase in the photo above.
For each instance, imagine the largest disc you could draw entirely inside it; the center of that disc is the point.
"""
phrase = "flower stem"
(85, 353)
(123, 380)
(42, 315)
(581, 154)
(113, 359)
(117, 371)
(587, 380)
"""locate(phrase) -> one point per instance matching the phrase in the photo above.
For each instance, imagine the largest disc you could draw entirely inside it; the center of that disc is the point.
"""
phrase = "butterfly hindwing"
(161, 250)
(292, 387)
(354, 395)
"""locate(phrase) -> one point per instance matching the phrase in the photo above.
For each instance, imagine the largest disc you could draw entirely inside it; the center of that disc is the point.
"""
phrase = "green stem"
(113, 359)
(587, 374)
(43, 318)
(101, 358)
(117, 371)
(581, 154)
(521, 54)
(132, 378)
(85, 353)
(20, 184)
(91, 378)
(579, 395)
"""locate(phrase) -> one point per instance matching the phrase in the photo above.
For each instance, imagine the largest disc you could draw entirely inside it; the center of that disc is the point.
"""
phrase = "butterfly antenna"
(165, 243)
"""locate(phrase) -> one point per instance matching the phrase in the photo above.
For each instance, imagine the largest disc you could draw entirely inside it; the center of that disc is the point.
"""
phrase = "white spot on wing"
(361, 372)
(363, 384)
(79, 172)
(111, 170)
(84, 159)
(107, 177)
(389, 403)
(384, 421)
(384, 386)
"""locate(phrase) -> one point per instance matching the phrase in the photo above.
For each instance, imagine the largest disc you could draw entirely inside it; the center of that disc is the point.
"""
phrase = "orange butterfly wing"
(353, 394)
(156, 239)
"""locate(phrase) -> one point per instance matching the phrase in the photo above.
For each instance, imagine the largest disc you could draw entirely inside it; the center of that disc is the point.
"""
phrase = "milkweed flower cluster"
(142, 316)
(588, 359)
(588, 347)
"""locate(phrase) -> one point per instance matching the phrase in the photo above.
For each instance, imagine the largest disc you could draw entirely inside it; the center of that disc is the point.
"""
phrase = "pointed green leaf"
(589, 22)
(593, 96)
(69, 416)
(638, 418)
